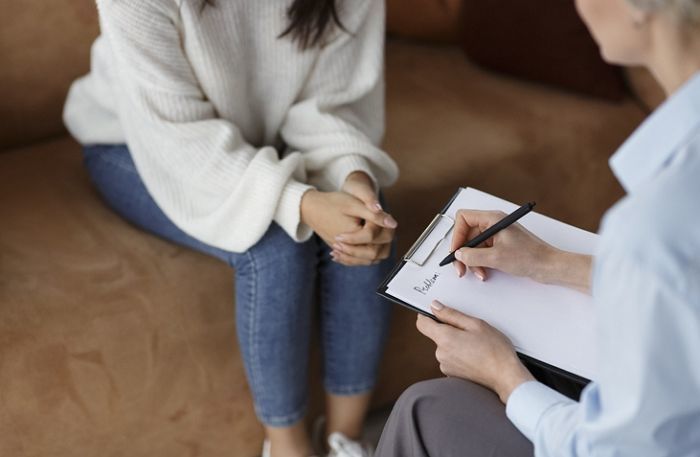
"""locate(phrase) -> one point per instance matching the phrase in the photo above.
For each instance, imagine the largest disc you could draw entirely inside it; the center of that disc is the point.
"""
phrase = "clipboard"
(408, 257)
(424, 246)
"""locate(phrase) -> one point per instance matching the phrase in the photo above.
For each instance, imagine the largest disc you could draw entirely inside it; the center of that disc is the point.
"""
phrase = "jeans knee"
(277, 247)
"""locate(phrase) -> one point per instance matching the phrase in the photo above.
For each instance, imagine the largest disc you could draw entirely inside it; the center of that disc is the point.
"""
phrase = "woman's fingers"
(462, 234)
(470, 223)
(374, 206)
(357, 208)
(369, 234)
(460, 269)
(347, 260)
(477, 257)
(350, 261)
(369, 197)
(479, 272)
(368, 252)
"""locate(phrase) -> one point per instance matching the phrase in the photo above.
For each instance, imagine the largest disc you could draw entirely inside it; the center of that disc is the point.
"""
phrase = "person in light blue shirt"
(644, 279)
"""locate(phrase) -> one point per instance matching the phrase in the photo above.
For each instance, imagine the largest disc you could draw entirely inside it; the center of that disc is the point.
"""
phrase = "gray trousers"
(451, 418)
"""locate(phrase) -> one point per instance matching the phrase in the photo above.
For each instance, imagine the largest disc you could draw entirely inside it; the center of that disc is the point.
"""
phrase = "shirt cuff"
(288, 214)
(528, 404)
(338, 170)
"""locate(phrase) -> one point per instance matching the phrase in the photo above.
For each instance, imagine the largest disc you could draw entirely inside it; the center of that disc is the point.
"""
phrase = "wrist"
(567, 269)
(511, 379)
(308, 203)
(551, 264)
(359, 177)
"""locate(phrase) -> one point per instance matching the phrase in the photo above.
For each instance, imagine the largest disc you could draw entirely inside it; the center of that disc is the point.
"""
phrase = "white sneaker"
(339, 444)
(266, 449)
(342, 446)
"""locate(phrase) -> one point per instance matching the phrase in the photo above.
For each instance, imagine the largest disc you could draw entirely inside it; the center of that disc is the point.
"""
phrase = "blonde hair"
(687, 10)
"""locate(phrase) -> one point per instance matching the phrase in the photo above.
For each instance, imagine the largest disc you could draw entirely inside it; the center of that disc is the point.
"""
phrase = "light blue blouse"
(646, 286)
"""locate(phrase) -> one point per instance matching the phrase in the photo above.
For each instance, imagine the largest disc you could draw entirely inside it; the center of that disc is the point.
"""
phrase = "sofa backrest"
(44, 46)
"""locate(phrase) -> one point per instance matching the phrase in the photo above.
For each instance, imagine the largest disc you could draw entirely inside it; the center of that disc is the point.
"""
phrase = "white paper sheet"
(550, 323)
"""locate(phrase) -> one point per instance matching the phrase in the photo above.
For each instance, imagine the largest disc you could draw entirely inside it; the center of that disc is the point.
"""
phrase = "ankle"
(289, 442)
(283, 448)
(353, 432)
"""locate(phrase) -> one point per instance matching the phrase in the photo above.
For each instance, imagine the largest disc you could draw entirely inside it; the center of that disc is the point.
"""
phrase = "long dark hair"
(310, 21)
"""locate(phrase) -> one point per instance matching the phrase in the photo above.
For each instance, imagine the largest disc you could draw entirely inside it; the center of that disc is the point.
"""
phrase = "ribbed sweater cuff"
(288, 214)
(337, 171)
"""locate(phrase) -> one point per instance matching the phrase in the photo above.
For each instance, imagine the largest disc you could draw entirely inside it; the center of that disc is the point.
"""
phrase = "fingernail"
(338, 247)
(378, 206)
(340, 238)
(436, 305)
(459, 272)
(479, 275)
(390, 222)
(458, 255)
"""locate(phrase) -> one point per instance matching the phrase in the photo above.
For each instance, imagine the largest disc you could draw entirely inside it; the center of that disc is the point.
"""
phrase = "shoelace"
(345, 447)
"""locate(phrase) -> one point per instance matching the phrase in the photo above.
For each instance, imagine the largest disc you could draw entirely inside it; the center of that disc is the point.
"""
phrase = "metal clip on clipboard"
(429, 240)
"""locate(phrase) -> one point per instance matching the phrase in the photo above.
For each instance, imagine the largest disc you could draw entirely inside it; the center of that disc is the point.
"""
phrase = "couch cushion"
(112, 342)
(44, 46)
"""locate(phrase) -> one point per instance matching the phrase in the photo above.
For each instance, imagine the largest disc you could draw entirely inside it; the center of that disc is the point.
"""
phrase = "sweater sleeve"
(338, 120)
(198, 168)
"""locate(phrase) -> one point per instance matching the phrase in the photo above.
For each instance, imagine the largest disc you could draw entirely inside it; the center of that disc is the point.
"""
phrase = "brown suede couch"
(116, 343)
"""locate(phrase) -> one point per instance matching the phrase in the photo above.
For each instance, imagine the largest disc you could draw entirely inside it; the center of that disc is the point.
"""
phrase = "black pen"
(491, 231)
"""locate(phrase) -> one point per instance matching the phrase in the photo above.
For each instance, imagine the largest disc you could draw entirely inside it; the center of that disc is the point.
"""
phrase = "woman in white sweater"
(249, 130)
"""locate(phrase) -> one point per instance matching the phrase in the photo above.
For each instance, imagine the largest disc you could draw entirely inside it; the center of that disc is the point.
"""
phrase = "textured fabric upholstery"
(44, 46)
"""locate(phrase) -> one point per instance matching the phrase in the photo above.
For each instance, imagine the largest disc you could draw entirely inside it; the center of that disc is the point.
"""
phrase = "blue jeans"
(276, 285)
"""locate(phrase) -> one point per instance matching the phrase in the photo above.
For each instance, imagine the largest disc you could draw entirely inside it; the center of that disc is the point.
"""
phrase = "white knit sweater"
(228, 124)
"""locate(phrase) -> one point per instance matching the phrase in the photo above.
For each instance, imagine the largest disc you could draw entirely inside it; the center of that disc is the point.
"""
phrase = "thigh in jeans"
(274, 286)
(114, 174)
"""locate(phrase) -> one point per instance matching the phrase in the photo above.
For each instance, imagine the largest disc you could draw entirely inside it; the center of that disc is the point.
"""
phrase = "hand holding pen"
(492, 239)
(516, 251)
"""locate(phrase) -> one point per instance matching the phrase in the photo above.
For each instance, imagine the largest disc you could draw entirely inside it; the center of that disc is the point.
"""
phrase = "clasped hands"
(352, 221)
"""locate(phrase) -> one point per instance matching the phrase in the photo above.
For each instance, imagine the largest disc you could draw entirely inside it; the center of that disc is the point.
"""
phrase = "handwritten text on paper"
(427, 284)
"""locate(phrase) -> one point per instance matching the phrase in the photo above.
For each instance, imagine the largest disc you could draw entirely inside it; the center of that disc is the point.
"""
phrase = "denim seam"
(350, 389)
(285, 421)
(325, 335)
(252, 339)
